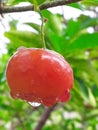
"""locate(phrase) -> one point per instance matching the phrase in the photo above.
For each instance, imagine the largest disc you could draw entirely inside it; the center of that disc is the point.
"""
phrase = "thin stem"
(42, 31)
(37, 9)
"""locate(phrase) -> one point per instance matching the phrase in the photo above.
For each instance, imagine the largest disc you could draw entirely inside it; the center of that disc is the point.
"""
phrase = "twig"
(44, 117)
(42, 7)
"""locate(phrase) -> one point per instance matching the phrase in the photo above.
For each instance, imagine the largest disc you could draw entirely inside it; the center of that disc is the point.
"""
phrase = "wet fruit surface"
(39, 75)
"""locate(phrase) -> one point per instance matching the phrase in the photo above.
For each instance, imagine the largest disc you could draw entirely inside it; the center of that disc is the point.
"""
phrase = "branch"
(31, 7)
(44, 117)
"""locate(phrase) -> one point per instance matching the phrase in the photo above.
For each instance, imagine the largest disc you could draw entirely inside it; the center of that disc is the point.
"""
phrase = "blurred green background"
(73, 39)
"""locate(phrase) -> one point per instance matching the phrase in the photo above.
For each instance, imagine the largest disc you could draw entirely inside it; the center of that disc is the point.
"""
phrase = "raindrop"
(34, 104)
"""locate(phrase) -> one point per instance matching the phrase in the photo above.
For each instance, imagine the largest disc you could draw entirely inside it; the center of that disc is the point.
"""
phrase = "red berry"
(39, 75)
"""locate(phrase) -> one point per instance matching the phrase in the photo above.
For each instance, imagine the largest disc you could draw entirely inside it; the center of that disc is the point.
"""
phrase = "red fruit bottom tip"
(36, 101)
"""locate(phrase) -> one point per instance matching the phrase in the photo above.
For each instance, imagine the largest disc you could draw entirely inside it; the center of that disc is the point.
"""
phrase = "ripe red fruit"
(39, 75)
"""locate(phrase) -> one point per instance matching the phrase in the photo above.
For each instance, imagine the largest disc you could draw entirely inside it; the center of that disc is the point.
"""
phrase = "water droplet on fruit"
(34, 104)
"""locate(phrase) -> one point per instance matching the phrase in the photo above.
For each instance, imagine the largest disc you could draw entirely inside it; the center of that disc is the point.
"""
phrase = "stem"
(44, 117)
(42, 30)
(35, 5)
(37, 9)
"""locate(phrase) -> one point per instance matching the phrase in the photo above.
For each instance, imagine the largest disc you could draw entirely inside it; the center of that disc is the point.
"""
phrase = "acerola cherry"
(39, 75)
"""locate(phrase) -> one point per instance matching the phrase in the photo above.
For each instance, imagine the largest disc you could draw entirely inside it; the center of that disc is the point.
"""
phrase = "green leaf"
(54, 22)
(86, 66)
(56, 41)
(83, 89)
(14, 2)
(83, 42)
(92, 98)
(76, 27)
(72, 29)
(76, 5)
(39, 2)
(22, 38)
(87, 21)
(95, 91)
(34, 26)
(92, 113)
(90, 2)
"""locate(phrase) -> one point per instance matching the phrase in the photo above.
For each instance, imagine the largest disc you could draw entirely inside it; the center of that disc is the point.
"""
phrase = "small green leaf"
(72, 29)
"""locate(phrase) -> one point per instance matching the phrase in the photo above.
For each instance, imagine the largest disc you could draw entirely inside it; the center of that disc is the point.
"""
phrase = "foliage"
(72, 39)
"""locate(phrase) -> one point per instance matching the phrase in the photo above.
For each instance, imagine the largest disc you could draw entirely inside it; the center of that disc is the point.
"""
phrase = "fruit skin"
(39, 75)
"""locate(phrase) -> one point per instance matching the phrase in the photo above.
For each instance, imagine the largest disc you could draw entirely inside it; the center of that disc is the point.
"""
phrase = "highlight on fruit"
(39, 76)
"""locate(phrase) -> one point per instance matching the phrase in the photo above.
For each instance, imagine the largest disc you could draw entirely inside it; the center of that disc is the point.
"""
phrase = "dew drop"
(34, 104)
